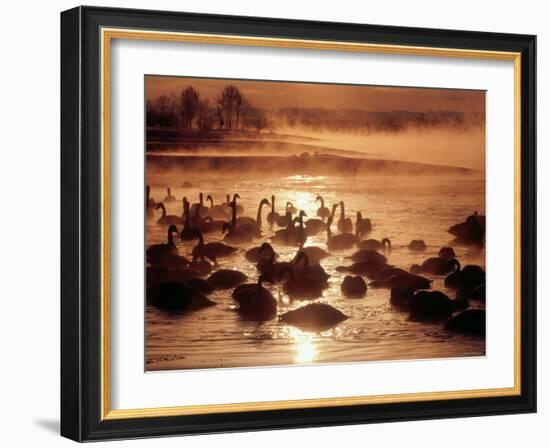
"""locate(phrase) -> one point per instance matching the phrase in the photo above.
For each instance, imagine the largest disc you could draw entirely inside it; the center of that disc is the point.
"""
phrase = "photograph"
(292, 223)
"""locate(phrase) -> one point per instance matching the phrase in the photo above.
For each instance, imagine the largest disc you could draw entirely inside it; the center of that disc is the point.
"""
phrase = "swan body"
(353, 287)
(157, 250)
(344, 224)
(177, 297)
(341, 241)
(302, 286)
(385, 273)
(447, 252)
(169, 197)
(417, 246)
(314, 254)
(405, 280)
(314, 317)
(372, 244)
(255, 254)
(470, 232)
(226, 279)
(367, 268)
(468, 322)
(315, 271)
(363, 226)
(315, 226)
(211, 250)
(368, 255)
(439, 266)
(255, 302)
(469, 277)
(167, 220)
(430, 306)
(323, 212)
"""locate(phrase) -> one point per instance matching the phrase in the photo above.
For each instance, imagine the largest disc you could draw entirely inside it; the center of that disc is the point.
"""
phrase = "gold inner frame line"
(107, 35)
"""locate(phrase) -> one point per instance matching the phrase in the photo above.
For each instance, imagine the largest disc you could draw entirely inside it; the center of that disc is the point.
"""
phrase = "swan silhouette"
(363, 226)
(323, 212)
(372, 244)
(167, 220)
(255, 302)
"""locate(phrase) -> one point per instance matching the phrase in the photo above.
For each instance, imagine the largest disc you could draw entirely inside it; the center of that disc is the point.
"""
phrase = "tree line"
(231, 110)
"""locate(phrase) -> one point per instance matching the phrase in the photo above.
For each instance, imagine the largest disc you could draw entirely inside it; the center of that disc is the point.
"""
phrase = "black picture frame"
(81, 224)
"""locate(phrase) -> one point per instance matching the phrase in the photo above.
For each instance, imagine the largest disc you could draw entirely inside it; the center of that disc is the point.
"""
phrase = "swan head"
(172, 228)
(235, 197)
(266, 247)
(264, 201)
(159, 205)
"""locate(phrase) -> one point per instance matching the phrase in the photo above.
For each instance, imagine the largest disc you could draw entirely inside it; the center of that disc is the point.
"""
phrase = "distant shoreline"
(307, 165)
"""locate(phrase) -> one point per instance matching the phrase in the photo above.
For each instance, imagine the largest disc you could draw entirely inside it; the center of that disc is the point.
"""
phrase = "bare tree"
(189, 100)
(230, 103)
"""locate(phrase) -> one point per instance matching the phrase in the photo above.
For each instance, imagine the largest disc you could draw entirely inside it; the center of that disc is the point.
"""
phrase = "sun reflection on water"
(304, 346)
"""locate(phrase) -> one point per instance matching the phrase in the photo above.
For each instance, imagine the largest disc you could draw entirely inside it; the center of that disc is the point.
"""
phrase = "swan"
(430, 306)
(226, 279)
(270, 269)
(315, 271)
(439, 266)
(216, 212)
(469, 322)
(314, 317)
(446, 252)
(372, 244)
(417, 246)
(405, 280)
(401, 297)
(363, 226)
(323, 212)
(272, 216)
(368, 255)
(199, 267)
(257, 253)
(353, 287)
(187, 232)
(211, 250)
(470, 232)
(315, 226)
(368, 268)
(344, 224)
(290, 208)
(284, 220)
(255, 302)
(300, 287)
(149, 202)
(170, 260)
(291, 235)
(341, 241)
(167, 220)
(385, 273)
(208, 225)
(177, 297)
(253, 225)
(155, 275)
(468, 277)
(314, 254)
(240, 209)
(235, 235)
(198, 209)
(169, 197)
(156, 250)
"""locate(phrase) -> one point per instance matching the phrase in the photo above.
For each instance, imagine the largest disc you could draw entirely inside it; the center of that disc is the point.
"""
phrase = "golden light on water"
(304, 346)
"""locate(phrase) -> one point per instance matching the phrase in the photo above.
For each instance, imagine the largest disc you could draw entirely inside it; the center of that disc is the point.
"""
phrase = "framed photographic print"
(275, 224)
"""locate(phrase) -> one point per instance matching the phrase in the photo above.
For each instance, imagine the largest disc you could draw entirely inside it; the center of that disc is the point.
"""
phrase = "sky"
(274, 95)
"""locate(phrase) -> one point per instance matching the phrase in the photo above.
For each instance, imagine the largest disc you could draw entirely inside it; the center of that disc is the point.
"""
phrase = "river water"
(400, 207)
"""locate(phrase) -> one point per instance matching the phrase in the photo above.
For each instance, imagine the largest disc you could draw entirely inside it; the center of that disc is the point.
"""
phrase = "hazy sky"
(273, 95)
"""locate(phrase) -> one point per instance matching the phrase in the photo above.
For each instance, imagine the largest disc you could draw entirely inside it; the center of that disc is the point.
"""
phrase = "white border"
(132, 388)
